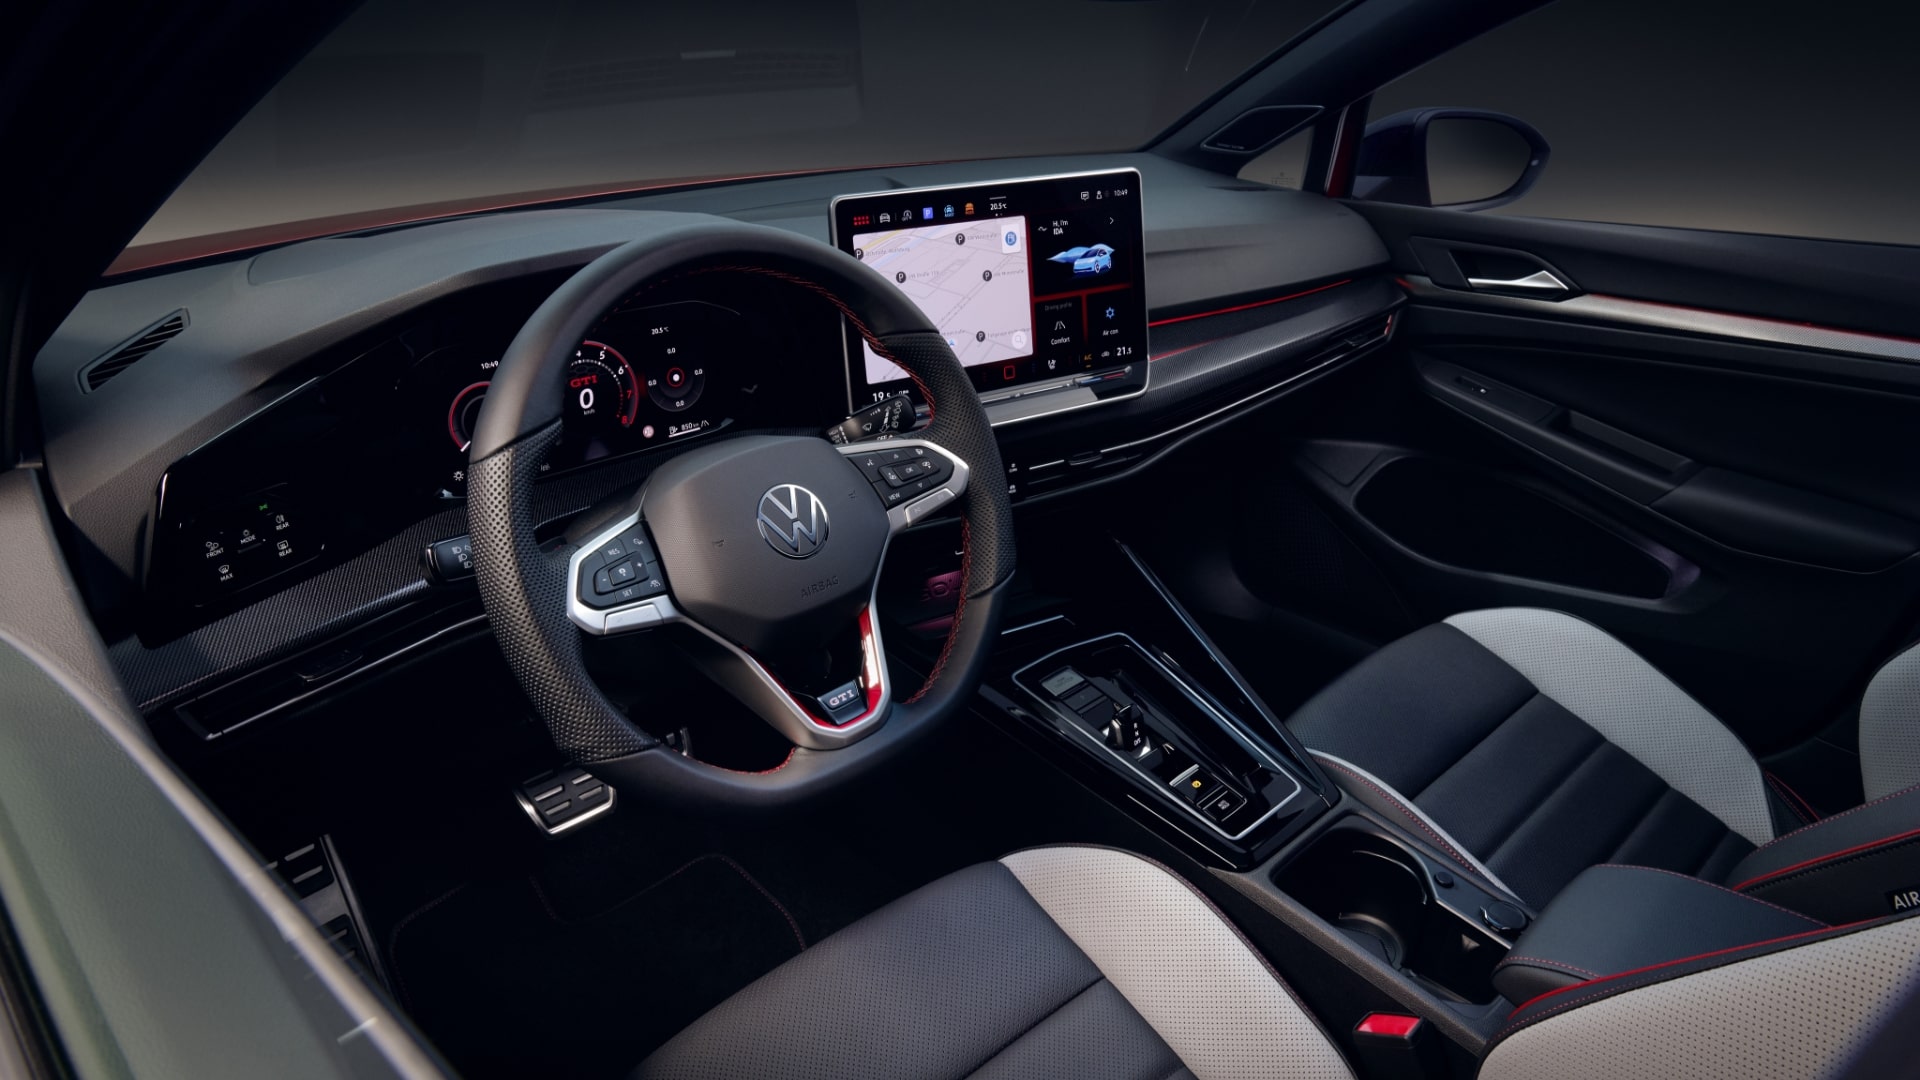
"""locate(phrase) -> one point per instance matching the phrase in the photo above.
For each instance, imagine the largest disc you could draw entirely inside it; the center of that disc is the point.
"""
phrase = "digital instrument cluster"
(645, 376)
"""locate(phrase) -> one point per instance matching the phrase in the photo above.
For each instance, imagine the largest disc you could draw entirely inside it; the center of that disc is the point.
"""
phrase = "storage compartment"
(1379, 894)
(1478, 521)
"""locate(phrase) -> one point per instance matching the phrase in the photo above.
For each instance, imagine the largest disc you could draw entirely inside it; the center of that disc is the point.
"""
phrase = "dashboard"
(274, 470)
(381, 437)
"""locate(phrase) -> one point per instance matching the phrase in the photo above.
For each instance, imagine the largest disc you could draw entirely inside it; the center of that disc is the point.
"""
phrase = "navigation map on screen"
(1037, 283)
(970, 277)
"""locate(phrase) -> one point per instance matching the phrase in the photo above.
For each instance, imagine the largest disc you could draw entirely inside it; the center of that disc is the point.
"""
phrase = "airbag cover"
(747, 555)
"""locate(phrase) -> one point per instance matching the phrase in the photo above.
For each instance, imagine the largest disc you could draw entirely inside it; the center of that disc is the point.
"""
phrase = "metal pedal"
(564, 799)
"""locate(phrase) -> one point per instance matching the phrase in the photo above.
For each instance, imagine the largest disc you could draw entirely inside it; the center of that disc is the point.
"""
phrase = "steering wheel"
(769, 548)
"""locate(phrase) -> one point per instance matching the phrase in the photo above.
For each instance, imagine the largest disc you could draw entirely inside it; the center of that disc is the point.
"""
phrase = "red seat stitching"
(1801, 808)
(1841, 814)
(1772, 877)
(1512, 959)
(1711, 885)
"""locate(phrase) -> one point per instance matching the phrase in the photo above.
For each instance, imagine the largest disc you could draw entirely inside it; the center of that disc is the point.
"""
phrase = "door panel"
(1800, 470)
(1738, 500)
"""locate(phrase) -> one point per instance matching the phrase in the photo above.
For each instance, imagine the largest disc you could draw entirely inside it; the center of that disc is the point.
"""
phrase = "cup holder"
(1377, 893)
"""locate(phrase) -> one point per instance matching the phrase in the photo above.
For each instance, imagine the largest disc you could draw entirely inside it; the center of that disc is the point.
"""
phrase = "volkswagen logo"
(793, 521)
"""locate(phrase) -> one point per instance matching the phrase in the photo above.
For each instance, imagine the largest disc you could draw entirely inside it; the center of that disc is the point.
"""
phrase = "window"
(1791, 119)
(437, 104)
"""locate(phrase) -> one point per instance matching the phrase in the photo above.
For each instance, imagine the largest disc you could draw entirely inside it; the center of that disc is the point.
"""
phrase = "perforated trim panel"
(1180, 966)
(1801, 1012)
(1890, 726)
(1633, 706)
(527, 605)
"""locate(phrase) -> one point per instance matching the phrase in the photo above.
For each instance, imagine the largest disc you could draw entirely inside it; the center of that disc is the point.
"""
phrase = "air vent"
(100, 371)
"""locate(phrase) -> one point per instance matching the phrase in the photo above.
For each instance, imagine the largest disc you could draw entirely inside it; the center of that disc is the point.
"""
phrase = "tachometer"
(600, 389)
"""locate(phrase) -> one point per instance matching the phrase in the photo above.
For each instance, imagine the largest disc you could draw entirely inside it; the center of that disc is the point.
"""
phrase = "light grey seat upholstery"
(1073, 962)
(1529, 745)
(1052, 962)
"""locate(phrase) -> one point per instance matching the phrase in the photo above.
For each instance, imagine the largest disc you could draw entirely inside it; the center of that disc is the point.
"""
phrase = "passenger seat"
(1527, 745)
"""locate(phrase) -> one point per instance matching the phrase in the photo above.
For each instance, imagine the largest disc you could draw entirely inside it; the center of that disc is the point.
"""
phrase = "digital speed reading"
(600, 388)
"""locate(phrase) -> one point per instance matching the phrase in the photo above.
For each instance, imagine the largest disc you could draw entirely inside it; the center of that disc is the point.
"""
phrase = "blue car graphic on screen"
(1096, 259)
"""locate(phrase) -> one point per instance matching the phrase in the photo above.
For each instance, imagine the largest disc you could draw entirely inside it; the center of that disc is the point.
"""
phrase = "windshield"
(440, 106)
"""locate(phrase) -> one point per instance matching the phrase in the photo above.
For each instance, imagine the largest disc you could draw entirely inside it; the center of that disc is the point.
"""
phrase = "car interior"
(1055, 611)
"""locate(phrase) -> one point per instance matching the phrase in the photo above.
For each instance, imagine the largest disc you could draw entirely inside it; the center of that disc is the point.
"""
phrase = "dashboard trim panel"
(1646, 314)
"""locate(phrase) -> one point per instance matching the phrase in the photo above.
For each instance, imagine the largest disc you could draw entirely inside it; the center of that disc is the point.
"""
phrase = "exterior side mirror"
(1465, 159)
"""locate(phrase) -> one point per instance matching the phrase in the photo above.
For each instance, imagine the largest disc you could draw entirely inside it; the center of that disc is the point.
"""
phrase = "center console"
(1038, 287)
(1109, 676)
(1189, 758)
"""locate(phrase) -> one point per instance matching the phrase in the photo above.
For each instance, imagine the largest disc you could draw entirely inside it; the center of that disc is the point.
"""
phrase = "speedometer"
(601, 393)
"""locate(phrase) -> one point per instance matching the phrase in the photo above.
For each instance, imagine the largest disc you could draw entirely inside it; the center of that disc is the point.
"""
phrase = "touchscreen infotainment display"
(1036, 283)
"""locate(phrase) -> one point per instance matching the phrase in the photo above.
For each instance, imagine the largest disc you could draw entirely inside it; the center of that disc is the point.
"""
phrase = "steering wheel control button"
(451, 560)
(623, 573)
(912, 482)
(922, 509)
(633, 618)
(638, 546)
(564, 800)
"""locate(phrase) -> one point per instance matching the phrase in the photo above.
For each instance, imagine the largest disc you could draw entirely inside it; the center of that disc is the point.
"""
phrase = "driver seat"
(1092, 962)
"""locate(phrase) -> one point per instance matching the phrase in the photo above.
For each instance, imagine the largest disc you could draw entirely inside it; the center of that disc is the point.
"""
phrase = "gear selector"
(1143, 719)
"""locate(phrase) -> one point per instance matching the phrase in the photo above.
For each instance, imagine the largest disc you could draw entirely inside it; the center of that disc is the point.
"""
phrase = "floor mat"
(512, 979)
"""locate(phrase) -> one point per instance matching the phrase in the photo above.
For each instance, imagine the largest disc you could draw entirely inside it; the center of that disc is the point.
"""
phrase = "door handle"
(1470, 267)
(1540, 281)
